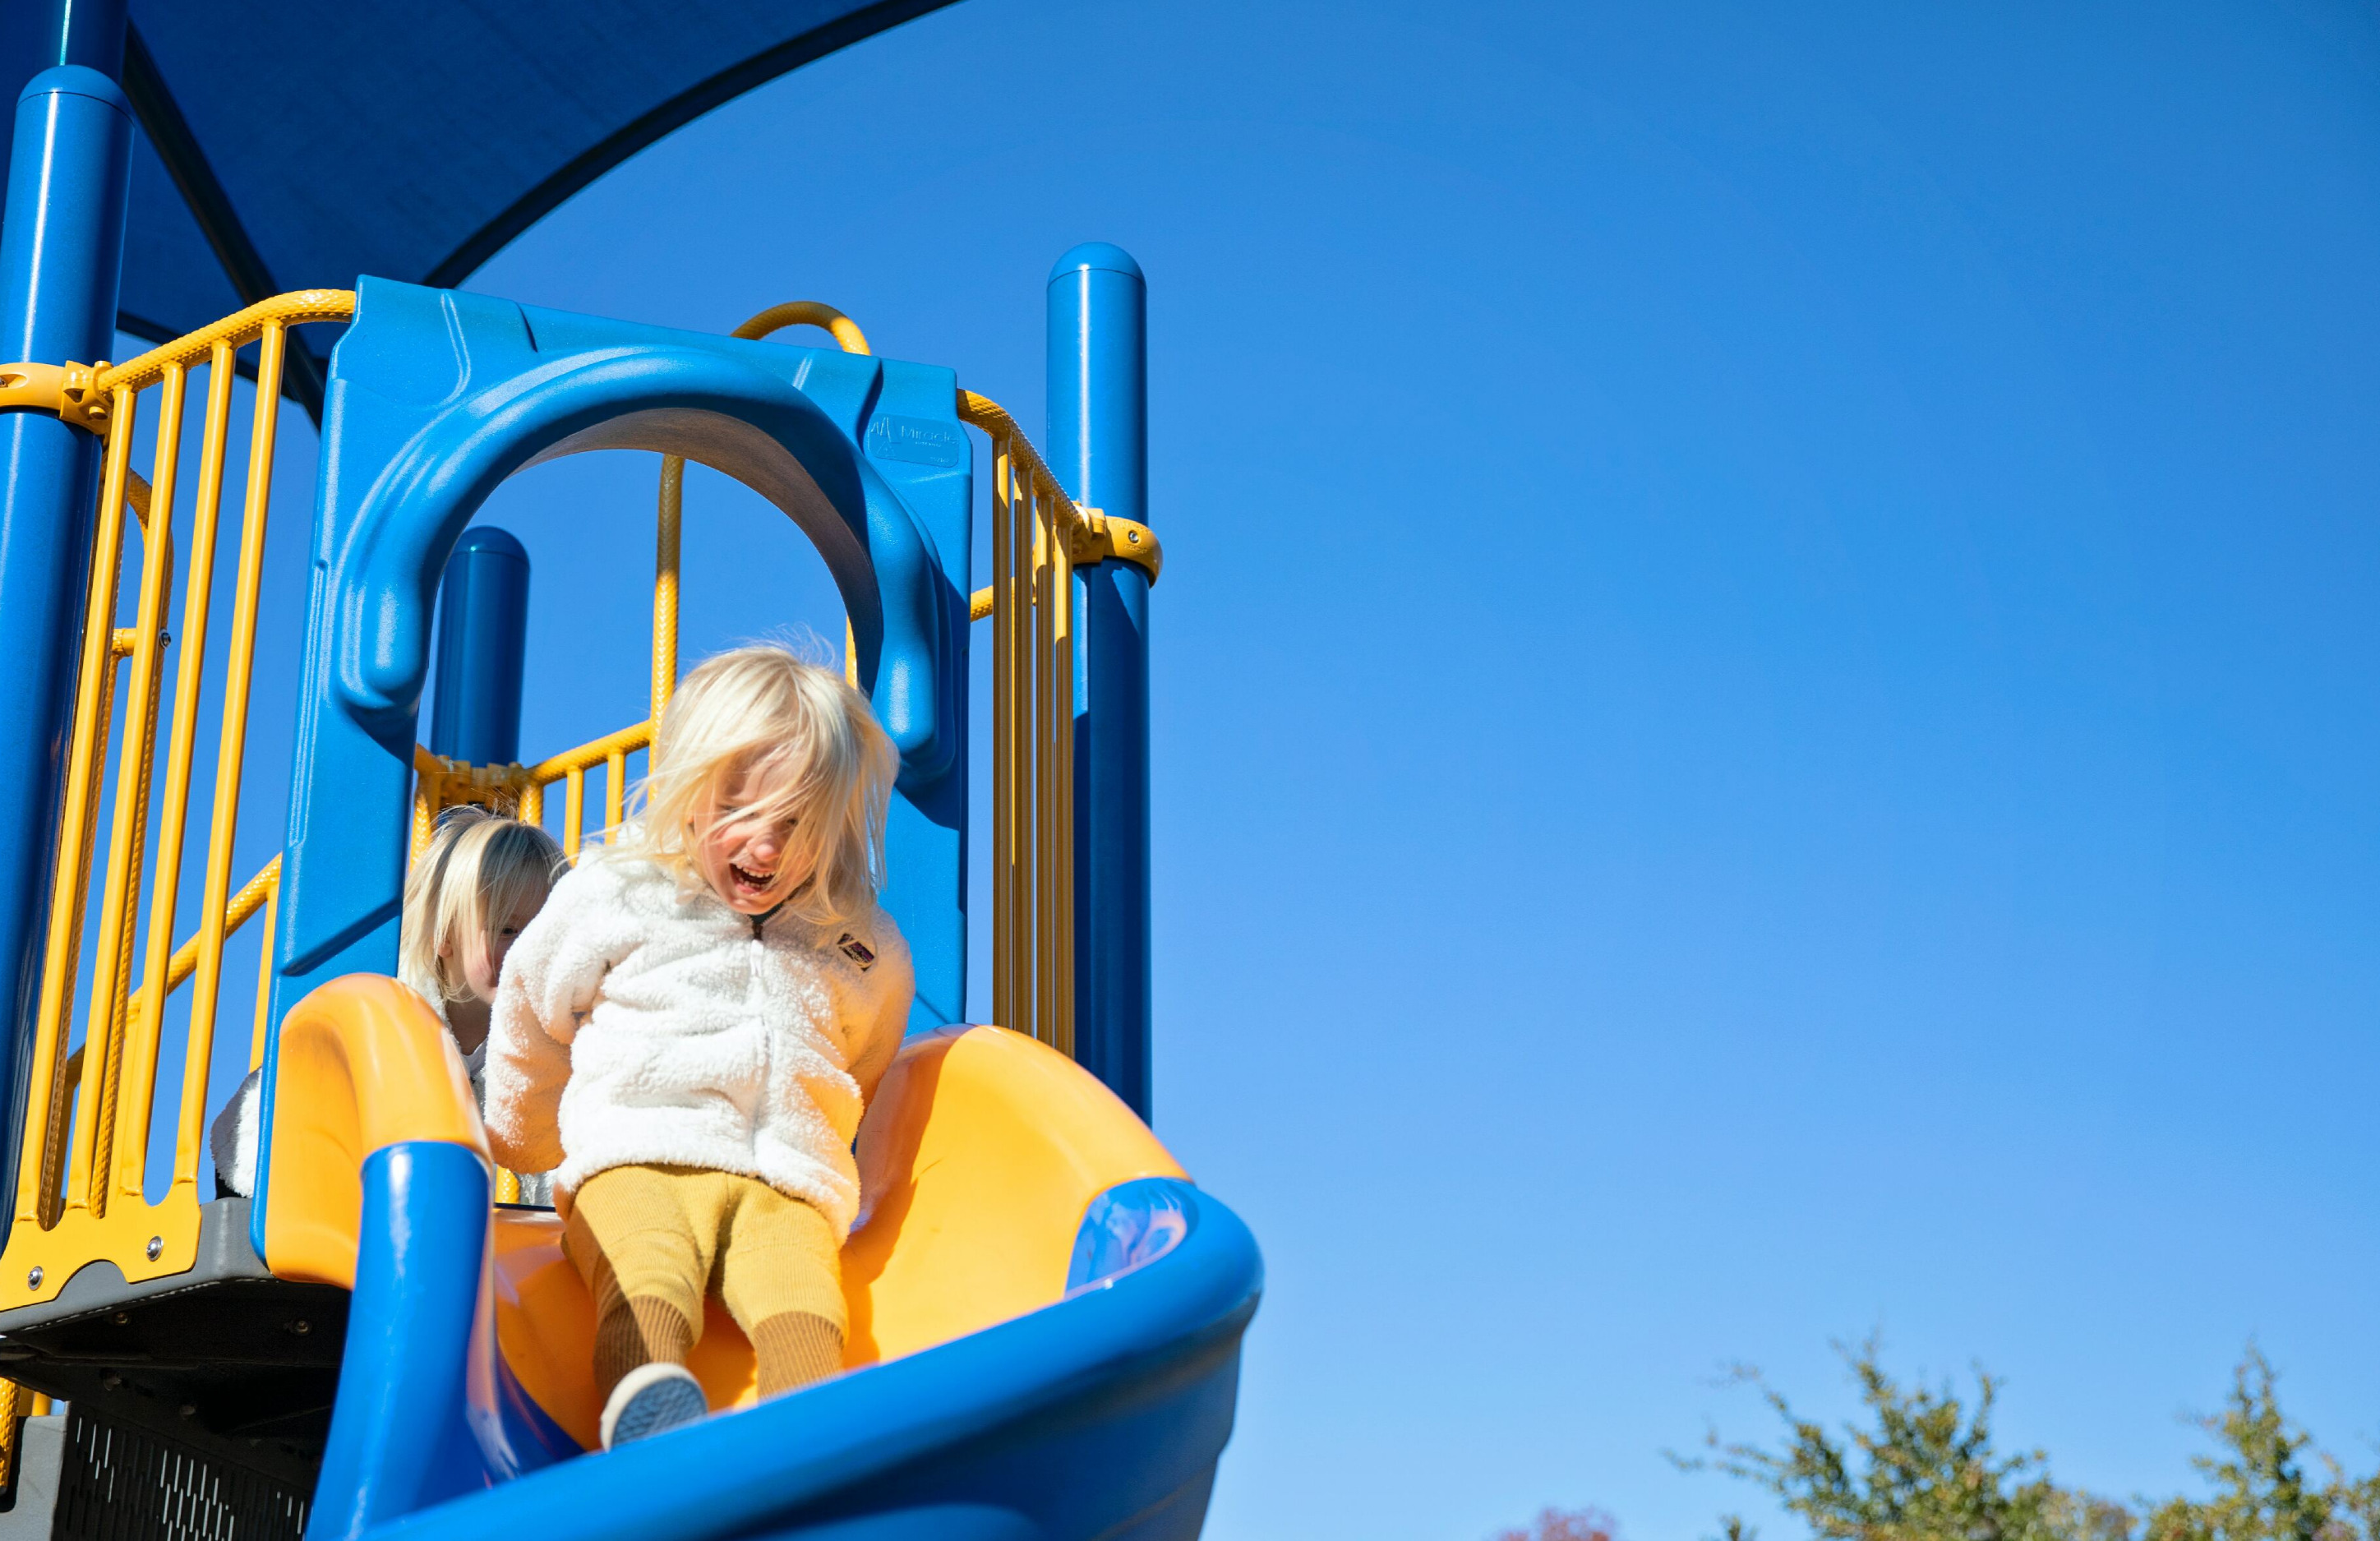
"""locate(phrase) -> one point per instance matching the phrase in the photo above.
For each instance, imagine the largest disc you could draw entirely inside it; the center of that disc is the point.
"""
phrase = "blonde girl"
(691, 1027)
(469, 893)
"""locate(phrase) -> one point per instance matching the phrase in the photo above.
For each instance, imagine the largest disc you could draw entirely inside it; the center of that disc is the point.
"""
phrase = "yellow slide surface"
(976, 1161)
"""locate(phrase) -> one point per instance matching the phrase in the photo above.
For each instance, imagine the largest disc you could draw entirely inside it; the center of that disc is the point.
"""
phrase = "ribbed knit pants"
(652, 1240)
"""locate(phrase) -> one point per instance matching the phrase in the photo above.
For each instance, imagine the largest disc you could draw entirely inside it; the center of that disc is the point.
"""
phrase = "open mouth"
(748, 882)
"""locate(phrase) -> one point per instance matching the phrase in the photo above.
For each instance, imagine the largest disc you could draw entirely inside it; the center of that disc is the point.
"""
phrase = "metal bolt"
(1132, 537)
(123, 1316)
(189, 1411)
(156, 1248)
(33, 1280)
(301, 1327)
(111, 1381)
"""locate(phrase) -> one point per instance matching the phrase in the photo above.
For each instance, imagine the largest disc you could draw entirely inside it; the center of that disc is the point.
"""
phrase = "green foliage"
(1921, 1465)
(2262, 1489)
(1924, 1468)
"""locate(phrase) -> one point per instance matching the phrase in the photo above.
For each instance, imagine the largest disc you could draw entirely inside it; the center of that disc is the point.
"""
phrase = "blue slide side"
(1100, 1416)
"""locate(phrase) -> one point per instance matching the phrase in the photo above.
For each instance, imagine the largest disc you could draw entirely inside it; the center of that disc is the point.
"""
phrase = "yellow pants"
(652, 1240)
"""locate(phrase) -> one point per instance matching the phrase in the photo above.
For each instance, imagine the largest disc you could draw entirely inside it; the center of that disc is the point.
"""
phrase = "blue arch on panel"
(435, 397)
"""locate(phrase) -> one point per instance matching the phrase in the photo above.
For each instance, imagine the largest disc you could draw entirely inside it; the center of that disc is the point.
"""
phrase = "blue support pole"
(61, 257)
(34, 37)
(482, 641)
(401, 1436)
(1098, 447)
(90, 33)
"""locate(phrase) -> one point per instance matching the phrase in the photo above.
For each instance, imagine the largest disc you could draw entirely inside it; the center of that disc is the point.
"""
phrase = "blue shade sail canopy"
(287, 145)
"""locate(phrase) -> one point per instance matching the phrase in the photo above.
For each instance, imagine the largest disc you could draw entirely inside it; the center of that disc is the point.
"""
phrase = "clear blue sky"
(1764, 684)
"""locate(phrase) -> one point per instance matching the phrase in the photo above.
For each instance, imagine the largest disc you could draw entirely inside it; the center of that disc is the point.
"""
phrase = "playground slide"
(1045, 1315)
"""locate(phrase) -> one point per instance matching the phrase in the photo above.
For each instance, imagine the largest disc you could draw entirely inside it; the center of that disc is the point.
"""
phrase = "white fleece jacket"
(642, 1021)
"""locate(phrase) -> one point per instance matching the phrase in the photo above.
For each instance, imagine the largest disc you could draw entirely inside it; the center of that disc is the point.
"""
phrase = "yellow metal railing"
(1032, 734)
(81, 1182)
(1039, 537)
(17, 1403)
(519, 790)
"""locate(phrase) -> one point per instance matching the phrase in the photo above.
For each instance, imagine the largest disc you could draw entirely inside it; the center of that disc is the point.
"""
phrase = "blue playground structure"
(383, 1341)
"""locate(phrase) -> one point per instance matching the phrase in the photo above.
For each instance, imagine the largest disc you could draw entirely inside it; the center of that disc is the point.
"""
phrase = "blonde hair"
(760, 707)
(476, 870)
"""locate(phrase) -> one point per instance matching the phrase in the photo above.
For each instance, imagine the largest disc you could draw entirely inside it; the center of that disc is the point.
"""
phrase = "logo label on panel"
(918, 441)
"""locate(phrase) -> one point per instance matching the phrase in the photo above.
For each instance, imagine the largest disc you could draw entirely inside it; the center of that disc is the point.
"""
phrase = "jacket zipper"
(768, 1043)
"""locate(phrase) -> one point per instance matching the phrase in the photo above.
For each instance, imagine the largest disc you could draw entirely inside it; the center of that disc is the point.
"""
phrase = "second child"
(468, 894)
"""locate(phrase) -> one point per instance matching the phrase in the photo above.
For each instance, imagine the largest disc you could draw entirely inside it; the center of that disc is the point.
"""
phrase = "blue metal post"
(61, 257)
(483, 641)
(90, 33)
(35, 36)
(1098, 446)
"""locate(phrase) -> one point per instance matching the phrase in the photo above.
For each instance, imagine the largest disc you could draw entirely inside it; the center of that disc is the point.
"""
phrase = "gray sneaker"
(650, 1400)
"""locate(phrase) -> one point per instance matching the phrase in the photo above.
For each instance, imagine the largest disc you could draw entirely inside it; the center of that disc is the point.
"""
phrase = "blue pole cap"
(82, 80)
(494, 539)
(1099, 255)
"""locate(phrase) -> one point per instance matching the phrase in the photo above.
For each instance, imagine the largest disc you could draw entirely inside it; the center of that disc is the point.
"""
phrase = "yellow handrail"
(238, 329)
(591, 754)
(1031, 610)
(441, 783)
(81, 1197)
(1040, 536)
(805, 312)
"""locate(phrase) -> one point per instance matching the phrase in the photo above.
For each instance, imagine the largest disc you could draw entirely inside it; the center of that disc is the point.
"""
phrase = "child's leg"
(781, 1278)
(643, 1238)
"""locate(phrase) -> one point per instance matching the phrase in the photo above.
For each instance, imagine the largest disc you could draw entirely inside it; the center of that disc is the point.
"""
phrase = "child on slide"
(477, 884)
(470, 895)
(690, 1030)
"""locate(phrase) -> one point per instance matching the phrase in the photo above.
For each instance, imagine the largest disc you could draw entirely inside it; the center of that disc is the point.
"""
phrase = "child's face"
(483, 965)
(747, 856)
